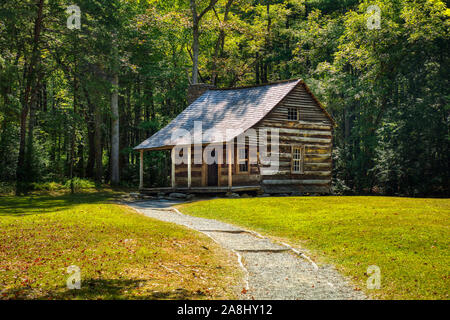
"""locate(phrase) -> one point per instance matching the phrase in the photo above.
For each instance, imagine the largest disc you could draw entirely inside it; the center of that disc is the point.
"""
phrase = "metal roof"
(220, 110)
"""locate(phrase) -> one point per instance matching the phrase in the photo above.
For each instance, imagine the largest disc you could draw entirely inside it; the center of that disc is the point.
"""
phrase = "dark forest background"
(63, 92)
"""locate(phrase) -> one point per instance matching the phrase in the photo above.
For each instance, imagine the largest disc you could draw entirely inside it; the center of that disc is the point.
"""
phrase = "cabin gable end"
(305, 144)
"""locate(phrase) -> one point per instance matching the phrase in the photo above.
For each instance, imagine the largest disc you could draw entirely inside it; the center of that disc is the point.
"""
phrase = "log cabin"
(303, 139)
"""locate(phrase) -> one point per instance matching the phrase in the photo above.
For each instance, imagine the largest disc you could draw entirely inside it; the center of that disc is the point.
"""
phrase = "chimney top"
(196, 90)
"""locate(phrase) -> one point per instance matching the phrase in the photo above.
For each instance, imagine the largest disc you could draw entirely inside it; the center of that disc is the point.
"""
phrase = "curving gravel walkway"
(274, 271)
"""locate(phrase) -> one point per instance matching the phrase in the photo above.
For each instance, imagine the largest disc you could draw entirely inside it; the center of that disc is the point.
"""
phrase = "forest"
(80, 88)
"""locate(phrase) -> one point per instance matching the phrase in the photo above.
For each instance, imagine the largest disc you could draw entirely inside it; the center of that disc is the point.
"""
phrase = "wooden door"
(213, 175)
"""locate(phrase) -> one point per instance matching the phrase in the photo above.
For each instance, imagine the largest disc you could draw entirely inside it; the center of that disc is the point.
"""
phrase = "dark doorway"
(213, 173)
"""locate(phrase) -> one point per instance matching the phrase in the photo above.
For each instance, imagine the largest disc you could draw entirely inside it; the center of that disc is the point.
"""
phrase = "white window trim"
(298, 113)
(301, 160)
(242, 160)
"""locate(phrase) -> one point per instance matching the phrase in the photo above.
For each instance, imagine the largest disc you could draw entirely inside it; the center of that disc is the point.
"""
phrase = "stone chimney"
(196, 90)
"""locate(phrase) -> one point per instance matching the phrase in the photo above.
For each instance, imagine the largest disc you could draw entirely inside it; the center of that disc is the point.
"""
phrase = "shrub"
(7, 187)
(47, 186)
(79, 184)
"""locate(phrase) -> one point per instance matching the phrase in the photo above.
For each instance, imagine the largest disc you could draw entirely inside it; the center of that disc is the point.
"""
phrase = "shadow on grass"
(105, 289)
(41, 204)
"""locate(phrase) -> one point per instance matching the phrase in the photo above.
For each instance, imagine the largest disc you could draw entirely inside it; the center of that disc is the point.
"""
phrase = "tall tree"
(220, 43)
(196, 18)
(115, 134)
(30, 79)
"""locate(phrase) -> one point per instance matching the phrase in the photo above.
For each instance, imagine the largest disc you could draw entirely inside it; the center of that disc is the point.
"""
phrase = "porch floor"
(196, 190)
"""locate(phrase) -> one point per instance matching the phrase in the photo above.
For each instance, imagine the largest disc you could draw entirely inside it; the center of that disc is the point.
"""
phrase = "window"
(297, 160)
(243, 163)
(293, 114)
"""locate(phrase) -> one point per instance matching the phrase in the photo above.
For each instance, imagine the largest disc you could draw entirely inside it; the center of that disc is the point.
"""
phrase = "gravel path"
(274, 271)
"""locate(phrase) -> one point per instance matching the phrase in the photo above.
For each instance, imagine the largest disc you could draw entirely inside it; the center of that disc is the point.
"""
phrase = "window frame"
(297, 110)
(239, 160)
(301, 161)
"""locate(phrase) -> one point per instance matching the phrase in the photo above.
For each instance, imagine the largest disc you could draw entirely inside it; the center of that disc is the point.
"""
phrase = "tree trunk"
(218, 51)
(257, 75)
(346, 125)
(137, 117)
(265, 64)
(115, 139)
(74, 133)
(30, 75)
(124, 123)
(29, 151)
(195, 53)
(98, 145)
(196, 18)
(90, 121)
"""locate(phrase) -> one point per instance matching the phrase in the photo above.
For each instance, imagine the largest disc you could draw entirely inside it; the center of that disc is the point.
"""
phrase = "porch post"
(230, 168)
(219, 174)
(189, 166)
(141, 170)
(173, 168)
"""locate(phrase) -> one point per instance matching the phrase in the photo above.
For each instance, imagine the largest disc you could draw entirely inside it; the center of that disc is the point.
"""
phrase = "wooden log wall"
(314, 132)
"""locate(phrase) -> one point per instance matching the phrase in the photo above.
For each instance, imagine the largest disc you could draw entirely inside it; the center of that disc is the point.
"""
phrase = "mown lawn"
(408, 239)
(121, 254)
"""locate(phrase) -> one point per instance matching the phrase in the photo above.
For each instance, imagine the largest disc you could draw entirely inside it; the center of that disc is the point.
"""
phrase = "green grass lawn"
(408, 239)
(121, 254)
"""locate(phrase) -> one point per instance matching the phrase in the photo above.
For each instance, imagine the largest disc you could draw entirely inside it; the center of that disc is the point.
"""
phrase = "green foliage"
(387, 89)
(8, 151)
(79, 184)
(47, 186)
(6, 188)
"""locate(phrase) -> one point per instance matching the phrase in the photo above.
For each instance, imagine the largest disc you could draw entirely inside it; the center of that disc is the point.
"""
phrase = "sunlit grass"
(407, 238)
(121, 254)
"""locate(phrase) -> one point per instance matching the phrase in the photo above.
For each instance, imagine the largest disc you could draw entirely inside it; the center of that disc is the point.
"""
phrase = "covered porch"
(202, 190)
(203, 178)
